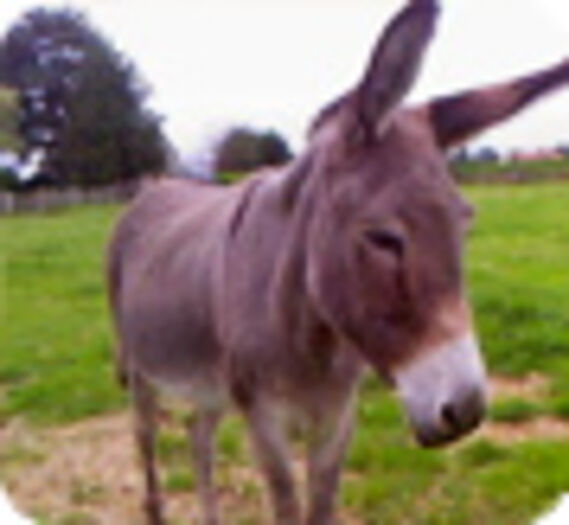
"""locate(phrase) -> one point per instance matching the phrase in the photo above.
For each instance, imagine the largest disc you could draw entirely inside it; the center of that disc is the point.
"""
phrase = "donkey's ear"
(457, 118)
(395, 62)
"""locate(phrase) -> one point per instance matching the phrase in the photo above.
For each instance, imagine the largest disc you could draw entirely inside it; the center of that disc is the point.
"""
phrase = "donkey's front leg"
(201, 431)
(330, 439)
(273, 454)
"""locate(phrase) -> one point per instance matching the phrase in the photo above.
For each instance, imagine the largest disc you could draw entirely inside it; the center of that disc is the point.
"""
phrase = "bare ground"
(87, 473)
(532, 387)
(540, 428)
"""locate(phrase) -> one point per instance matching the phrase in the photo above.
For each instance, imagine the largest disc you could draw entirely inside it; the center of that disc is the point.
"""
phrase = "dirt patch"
(541, 428)
(532, 387)
(18, 445)
(89, 470)
(87, 473)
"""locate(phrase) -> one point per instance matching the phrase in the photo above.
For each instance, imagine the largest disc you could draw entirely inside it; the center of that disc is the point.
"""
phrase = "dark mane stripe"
(241, 209)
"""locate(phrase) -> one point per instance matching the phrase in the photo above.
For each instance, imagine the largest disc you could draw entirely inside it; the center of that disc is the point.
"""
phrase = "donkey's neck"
(267, 320)
(295, 317)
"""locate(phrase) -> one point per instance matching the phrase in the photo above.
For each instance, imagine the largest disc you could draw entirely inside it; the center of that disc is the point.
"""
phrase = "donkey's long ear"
(395, 62)
(457, 118)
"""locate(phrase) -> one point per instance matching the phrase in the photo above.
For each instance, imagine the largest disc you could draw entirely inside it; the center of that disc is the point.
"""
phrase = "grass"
(519, 277)
(180, 480)
(55, 362)
(543, 170)
(229, 177)
(55, 340)
(73, 518)
(514, 410)
(479, 481)
(483, 453)
(559, 407)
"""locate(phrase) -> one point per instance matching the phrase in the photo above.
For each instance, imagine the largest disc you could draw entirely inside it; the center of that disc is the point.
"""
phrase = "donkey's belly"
(190, 371)
(171, 344)
(203, 387)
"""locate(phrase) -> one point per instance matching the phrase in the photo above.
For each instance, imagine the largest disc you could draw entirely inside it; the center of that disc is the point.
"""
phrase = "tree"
(82, 101)
(274, 149)
(486, 154)
(244, 149)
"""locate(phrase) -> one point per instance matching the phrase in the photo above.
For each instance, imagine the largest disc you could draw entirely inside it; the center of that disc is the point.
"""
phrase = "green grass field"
(55, 364)
(538, 171)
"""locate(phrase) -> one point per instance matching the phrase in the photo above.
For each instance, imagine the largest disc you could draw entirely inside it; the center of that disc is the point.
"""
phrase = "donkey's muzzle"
(444, 392)
(457, 418)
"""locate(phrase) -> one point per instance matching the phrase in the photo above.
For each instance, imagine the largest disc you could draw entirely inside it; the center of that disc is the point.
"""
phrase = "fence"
(47, 199)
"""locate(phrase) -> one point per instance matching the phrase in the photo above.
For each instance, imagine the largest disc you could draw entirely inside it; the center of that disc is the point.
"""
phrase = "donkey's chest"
(308, 383)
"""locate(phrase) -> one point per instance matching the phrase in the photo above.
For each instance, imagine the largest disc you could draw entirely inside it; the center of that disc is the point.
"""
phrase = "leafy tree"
(486, 154)
(244, 149)
(274, 149)
(8, 180)
(82, 100)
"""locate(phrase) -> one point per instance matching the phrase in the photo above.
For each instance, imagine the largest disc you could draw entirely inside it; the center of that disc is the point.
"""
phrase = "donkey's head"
(386, 227)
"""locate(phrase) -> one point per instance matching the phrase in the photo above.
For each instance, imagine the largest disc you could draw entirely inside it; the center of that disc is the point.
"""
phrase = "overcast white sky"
(269, 63)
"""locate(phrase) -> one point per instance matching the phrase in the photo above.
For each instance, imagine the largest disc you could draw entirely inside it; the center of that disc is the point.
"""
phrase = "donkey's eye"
(386, 240)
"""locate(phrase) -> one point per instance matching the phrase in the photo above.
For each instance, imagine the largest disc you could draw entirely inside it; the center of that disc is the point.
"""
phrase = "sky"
(213, 63)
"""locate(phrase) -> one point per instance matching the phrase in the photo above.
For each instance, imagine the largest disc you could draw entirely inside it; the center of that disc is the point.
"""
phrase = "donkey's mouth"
(444, 392)
(452, 426)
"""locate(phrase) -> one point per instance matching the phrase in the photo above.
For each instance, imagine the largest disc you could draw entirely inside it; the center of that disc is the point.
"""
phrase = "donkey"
(273, 295)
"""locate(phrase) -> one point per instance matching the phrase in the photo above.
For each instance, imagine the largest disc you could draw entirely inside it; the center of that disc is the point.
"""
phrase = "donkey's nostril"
(449, 416)
(464, 413)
